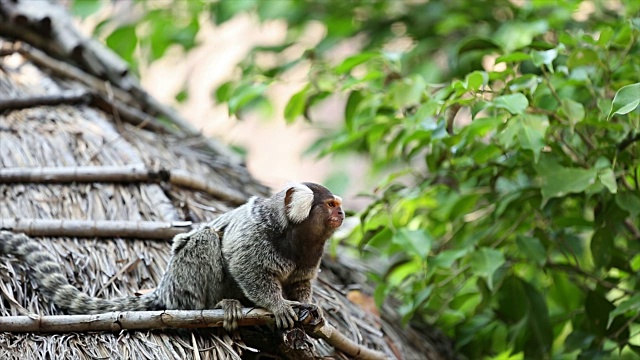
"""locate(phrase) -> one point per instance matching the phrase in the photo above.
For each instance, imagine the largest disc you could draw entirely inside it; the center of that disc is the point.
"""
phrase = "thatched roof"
(65, 103)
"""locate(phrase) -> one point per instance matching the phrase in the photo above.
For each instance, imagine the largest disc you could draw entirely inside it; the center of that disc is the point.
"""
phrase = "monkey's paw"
(285, 316)
(232, 313)
(310, 315)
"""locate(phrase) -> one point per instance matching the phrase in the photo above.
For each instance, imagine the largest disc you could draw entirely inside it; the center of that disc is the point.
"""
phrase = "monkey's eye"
(331, 203)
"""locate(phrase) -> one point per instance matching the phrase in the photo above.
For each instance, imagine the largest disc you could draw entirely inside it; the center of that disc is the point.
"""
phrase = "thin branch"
(627, 325)
(182, 178)
(130, 114)
(66, 70)
(451, 115)
(628, 141)
(67, 97)
(584, 138)
(336, 339)
(122, 102)
(130, 173)
(577, 271)
(633, 229)
(121, 95)
(97, 228)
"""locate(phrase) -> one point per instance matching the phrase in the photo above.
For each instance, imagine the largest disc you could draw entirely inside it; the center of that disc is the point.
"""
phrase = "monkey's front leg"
(299, 291)
(299, 296)
(264, 290)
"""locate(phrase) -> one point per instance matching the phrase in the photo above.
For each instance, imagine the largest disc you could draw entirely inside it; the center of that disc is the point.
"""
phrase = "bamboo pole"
(97, 228)
(126, 173)
(66, 97)
(129, 320)
(182, 319)
(68, 174)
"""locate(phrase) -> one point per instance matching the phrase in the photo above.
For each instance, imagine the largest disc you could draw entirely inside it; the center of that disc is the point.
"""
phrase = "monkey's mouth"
(335, 222)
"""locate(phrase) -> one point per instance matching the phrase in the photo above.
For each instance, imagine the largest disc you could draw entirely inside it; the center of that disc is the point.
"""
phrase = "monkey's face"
(333, 207)
(314, 206)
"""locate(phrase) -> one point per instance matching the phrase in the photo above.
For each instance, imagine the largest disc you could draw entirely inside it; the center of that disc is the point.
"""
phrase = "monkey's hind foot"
(232, 314)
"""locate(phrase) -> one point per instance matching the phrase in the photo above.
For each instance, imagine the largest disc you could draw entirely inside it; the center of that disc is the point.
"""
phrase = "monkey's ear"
(298, 200)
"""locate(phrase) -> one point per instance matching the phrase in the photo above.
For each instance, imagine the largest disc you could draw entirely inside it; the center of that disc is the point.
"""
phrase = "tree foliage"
(507, 133)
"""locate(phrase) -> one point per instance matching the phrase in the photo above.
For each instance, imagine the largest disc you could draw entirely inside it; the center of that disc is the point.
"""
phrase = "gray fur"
(268, 257)
(191, 280)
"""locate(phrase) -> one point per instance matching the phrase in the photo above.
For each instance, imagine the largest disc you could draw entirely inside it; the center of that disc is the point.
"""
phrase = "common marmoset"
(267, 256)
(272, 247)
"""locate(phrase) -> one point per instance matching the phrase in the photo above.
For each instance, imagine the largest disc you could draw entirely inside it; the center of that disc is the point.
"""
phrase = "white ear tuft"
(298, 202)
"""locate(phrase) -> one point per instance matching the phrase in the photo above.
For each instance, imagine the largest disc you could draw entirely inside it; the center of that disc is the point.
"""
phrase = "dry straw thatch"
(70, 106)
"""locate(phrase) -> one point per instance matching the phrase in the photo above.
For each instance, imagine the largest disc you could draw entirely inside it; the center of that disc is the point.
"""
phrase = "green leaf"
(606, 35)
(626, 100)
(514, 103)
(446, 258)
(573, 110)
(512, 299)
(480, 127)
(380, 294)
(624, 36)
(507, 136)
(602, 247)
(380, 240)
(526, 82)
(582, 57)
(531, 133)
(557, 180)
(407, 91)
(472, 43)
(532, 248)
(182, 96)
(84, 8)
(515, 35)
(223, 92)
(485, 262)
(598, 308)
(296, 105)
(540, 58)
(417, 242)
(578, 340)
(244, 96)
(530, 130)
(350, 110)
(166, 31)
(225, 10)
(401, 273)
(539, 334)
(565, 292)
(608, 179)
(630, 202)
(353, 61)
(630, 305)
(486, 154)
(476, 79)
(513, 57)
(123, 41)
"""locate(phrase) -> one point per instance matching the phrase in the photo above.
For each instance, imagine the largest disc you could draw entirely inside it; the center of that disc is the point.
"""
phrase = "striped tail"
(47, 273)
